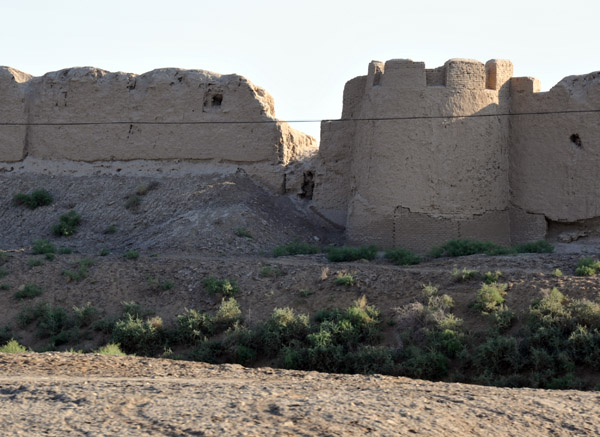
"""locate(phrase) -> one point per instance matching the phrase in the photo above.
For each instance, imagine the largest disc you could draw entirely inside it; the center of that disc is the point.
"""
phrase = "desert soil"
(72, 394)
(187, 229)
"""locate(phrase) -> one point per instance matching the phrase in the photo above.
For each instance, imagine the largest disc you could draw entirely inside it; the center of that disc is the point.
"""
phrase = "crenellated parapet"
(463, 150)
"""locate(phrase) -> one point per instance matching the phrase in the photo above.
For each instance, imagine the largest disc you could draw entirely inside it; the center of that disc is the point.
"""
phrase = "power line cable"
(416, 117)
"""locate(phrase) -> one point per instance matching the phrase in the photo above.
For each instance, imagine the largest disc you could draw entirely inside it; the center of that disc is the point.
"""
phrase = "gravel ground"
(73, 394)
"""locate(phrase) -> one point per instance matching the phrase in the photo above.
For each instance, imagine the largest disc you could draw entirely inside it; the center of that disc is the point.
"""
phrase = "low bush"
(587, 267)
(345, 279)
(492, 277)
(67, 224)
(33, 200)
(3, 272)
(111, 349)
(34, 262)
(29, 291)
(402, 257)
(223, 286)
(13, 347)
(82, 271)
(295, 248)
(64, 250)
(490, 297)
(540, 246)
(140, 336)
(133, 202)
(345, 253)
(455, 248)
(131, 254)
(4, 287)
(43, 247)
(85, 315)
(464, 275)
(112, 229)
(269, 272)
(243, 232)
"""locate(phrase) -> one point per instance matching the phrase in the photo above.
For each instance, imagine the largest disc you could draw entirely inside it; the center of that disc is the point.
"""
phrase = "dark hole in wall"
(571, 231)
(308, 186)
(217, 100)
(576, 139)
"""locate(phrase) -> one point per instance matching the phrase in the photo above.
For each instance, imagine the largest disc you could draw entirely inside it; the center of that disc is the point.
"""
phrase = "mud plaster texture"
(465, 150)
(90, 115)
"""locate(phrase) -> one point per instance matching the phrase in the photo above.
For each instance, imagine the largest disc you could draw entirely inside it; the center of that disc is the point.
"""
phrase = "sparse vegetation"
(81, 272)
(112, 229)
(491, 277)
(557, 272)
(34, 262)
(104, 252)
(402, 257)
(587, 266)
(33, 200)
(455, 248)
(3, 272)
(345, 279)
(67, 225)
(295, 248)
(540, 246)
(13, 347)
(131, 254)
(490, 296)
(4, 287)
(243, 232)
(64, 250)
(464, 275)
(133, 202)
(111, 349)
(29, 291)
(223, 286)
(269, 272)
(345, 253)
(43, 247)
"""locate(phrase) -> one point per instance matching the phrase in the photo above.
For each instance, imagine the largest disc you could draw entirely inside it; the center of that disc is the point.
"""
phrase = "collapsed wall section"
(88, 114)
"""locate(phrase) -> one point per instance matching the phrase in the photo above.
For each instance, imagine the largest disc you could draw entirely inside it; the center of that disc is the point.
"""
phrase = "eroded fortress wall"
(88, 114)
(410, 176)
(422, 156)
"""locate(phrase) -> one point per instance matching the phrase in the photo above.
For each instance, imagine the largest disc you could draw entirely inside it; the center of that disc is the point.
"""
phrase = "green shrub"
(4, 287)
(283, 328)
(3, 272)
(85, 315)
(67, 225)
(228, 314)
(112, 229)
(295, 248)
(138, 336)
(402, 257)
(13, 347)
(557, 272)
(345, 253)
(540, 246)
(111, 349)
(43, 247)
(34, 262)
(269, 272)
(50, 256)
(455, 248)
(29, 291)
(82, 271)
(224, 286)
(490, 296)
(498, 356)
(417, 363)
(503, 317)
(104, 252)
(34, 200)
(131, 254)
(492, 277)
(464, 275)
(345, 279)
(587, 267)
(193, 326)
(243, 232)
(64, 250)
(166, 285)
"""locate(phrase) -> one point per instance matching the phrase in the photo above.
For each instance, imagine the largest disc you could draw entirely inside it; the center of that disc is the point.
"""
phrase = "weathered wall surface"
(88, 114)
(448, 172)
(13, 88)
(426, 155)
(555, 158)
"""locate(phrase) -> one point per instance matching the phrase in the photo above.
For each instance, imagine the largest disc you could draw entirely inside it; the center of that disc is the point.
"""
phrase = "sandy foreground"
(74, 394)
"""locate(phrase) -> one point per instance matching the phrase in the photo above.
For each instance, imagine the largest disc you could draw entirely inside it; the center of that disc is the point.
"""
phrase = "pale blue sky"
(300, 52)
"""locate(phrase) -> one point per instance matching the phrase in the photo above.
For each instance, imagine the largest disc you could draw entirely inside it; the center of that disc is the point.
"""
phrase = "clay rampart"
(422, 156)
(88, 114)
